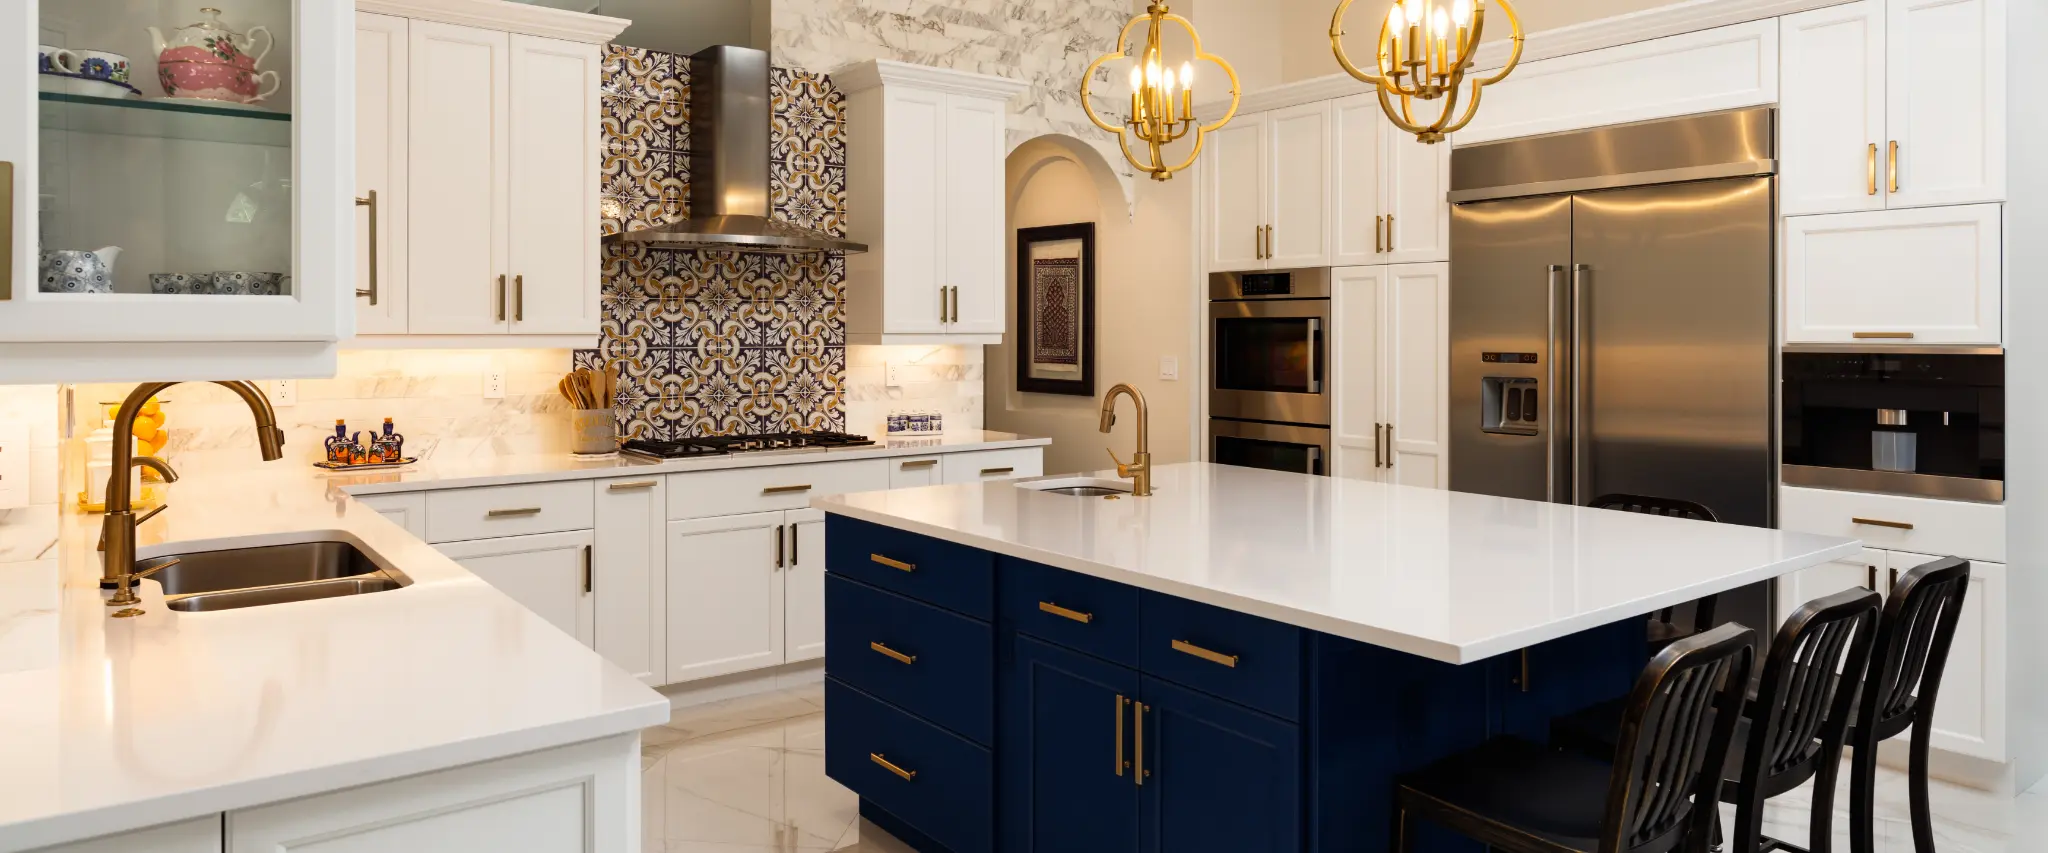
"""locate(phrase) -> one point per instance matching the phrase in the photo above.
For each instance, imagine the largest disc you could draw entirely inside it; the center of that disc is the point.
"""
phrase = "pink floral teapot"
(208, 60)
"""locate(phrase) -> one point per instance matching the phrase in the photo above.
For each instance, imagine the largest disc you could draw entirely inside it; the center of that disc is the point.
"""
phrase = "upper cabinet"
(174, 205)
(1892, 103)
(925, 149)
(1390, 203)
(480, 141)
(1925, 276)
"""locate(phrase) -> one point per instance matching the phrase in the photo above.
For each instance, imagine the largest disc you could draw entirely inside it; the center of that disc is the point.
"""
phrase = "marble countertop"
(1446, 575)
(505, 470)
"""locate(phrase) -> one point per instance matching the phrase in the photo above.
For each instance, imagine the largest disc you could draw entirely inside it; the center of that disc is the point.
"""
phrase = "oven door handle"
(1315, 461)
(1315, 335)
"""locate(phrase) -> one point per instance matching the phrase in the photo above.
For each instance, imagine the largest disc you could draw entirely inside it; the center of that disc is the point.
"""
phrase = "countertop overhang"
(1450, 576)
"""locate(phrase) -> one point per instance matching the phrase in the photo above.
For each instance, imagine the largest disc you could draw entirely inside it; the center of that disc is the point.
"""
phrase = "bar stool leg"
(1863, 800)
(1916, 783)
(1821, 838)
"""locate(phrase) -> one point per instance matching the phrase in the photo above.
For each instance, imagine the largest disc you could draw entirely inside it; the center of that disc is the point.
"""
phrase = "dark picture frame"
(1056, 309)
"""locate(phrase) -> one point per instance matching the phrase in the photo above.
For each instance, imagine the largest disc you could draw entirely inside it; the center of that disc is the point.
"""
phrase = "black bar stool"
(1658, 795)
(1913, 638)
(1662, 629)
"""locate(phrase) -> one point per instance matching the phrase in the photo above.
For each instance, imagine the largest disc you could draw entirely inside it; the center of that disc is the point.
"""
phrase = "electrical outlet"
(282, 392)
(895, 374)
(1169, 367)
(494, 383)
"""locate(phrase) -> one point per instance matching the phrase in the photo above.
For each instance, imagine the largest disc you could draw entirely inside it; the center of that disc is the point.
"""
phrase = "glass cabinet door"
(181, 176)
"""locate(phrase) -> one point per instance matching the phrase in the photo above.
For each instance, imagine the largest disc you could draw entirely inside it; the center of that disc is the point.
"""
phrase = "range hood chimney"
(729, 124)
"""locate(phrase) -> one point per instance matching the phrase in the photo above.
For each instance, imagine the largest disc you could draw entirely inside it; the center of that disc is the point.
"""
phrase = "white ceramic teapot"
(211, 42)
(75, 271)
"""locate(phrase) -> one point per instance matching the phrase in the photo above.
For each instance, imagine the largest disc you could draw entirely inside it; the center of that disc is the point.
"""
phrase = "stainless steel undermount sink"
(272, 574)
(1079, 487)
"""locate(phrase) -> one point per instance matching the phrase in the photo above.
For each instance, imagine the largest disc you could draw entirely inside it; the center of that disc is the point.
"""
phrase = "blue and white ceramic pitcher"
(77, 271)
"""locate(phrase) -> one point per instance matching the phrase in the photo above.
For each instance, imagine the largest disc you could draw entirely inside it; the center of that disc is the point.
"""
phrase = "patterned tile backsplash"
(720, 342)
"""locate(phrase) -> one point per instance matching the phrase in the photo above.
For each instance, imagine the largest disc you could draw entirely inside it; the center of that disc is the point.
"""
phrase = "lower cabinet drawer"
(934, 663)
(947, 574)
(1246, 659)
(1896, 522)
(1083, 613)
(994, 464)
(936, 781)
(490, 512)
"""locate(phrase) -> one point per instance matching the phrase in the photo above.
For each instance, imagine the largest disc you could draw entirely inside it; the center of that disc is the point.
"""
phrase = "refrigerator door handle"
(1554, 282)
(1579, 461)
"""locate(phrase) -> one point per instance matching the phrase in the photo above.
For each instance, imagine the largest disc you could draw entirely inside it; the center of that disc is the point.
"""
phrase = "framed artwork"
(1056, 309)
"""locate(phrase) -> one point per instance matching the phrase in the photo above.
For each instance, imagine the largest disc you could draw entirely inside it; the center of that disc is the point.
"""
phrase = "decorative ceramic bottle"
(390, 445)
(337, 444)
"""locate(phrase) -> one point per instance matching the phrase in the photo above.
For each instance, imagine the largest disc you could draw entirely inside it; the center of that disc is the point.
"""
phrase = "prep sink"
(272, 574)
(1079, 487)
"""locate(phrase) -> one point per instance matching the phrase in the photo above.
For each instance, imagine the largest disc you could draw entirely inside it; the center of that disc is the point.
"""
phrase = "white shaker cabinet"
(1921, 275)
(383, 49)
(1389, 204)
(1970, 711)
(1892, 103)
(405, 509)
(726, 592)
(804, 586)
(1391, 356)
(1298, 193)
(925, 149)
(199, 835)
(909, 472)
(1358, 214)
(627, 575)
(459, 174)
(1357, 296)
(1233, 192)
(1864, 570)
(549, 573)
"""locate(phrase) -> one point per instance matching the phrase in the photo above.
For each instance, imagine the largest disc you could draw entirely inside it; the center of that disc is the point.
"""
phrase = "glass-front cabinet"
(178, 186)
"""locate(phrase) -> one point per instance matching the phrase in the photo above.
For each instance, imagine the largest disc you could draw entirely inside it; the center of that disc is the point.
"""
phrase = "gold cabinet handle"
(1259, 242)
(627, 487)
(1870, 166)
(519, 298)
(779, 544)
(370, 201)
(1377, 245)
(1064, 613)
(521, 512)
(915, 464)
(786, 490)
(893, 654)
(6, 230)
(894, 564)
(1878, 522)
(908, 775)
(991, 472)
(942, 303)
(589, 569)
(1894, 336)
(503, 298)
(1892, 166)
(1390, 232)
(1138, 734)
(1390, 444)
(1212, 657)
(1121, 704)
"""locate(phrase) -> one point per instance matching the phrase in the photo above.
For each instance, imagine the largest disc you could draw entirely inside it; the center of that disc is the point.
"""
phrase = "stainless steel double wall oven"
(1269, 395)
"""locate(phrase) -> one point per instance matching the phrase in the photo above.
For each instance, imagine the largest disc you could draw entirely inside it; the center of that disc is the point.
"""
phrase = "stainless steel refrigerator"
(1611, 319)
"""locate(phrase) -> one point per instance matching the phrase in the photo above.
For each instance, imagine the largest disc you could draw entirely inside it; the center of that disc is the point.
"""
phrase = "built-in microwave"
(1269, 346)
(1926, 421)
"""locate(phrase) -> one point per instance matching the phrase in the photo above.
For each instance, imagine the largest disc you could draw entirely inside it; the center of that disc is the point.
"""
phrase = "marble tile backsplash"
(946, 380)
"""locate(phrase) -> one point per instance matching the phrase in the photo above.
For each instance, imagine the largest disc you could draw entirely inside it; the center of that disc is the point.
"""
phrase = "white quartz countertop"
(505, 470)
(1446, 575)
(108, 725)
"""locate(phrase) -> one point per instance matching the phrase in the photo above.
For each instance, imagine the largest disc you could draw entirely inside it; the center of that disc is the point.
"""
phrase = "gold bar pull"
(1259, 242)
(1062, 612)
(1878, 522)
(1212, 657)
(370, 201)
(908, 775)
(894, 564)
(513, 513)
(1892, 166)
(893, 654)
(503, 298)
(1138, 732)
(1870, 165)
(627, 487)
(1896, 336)
(519, 298)
(786, 490)
(1390, 232)
(915, 464)
(1121, 703)
(1377, 245)
(589, 569)
(6, 230)
(991, 472)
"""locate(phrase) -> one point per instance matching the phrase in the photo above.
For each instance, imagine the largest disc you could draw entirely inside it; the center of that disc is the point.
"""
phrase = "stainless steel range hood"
(729, 165)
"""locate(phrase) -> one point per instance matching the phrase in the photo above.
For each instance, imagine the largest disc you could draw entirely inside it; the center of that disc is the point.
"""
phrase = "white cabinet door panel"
(1865, 570)
(1945, 99)
(914, 228)
(1417, 179)
(547, 572)
(1970, 710)
(458, 174)
(1931, 275)
(725, 595)
(1234, 195)
(405, 509)
(381, 115)
(1298, 186)
(1357, 236)
(973, 226)
(1831, 133)
(629, 575)
(199, 835)
(553, 246)
(1357, 295)
(911, 472)
(1417, 347)
(805, 579)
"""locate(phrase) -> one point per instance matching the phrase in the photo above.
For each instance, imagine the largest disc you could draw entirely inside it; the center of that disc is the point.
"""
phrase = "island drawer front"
(949, 675)
(459, 515)
(1083, 613)
(950, 797)
(1949, 528)
(732, 491)
(935, 571)
(1179, 640)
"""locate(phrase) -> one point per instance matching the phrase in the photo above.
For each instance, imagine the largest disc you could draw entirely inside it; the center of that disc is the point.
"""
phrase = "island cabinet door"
(1068, 753)
(1216, 776)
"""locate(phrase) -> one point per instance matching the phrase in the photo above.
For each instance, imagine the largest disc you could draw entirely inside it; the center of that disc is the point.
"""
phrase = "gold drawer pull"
(990, 472)
(785, 490)
(908, 775)
(893, 654)
(918, 463)
(1204, 654)
(513, 513)
(1056, 610)
(894, 564)
(1893, 336)
(1878, 522)
(627, 487)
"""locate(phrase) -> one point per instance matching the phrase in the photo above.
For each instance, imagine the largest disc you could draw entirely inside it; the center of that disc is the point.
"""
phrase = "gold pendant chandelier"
(1425, 49)
(1153, 120)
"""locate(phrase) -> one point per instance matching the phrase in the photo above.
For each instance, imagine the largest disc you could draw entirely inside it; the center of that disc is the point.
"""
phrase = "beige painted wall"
(1143, 307)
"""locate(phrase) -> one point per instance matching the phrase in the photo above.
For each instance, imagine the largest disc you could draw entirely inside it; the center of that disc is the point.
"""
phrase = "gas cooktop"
(726, 445)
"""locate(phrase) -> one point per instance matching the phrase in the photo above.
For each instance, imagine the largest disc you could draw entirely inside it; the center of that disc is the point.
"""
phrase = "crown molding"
(862, 76)
(505, 17)
(1659, 22)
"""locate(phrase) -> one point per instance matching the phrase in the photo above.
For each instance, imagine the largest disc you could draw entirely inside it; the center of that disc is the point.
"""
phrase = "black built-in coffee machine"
(1920, 421)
